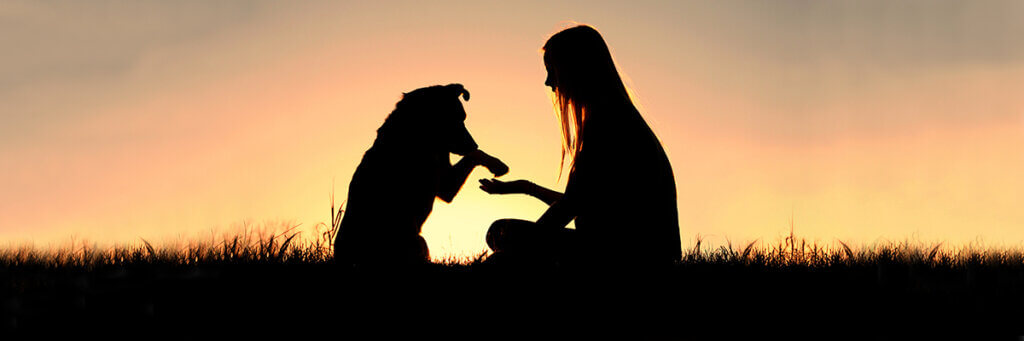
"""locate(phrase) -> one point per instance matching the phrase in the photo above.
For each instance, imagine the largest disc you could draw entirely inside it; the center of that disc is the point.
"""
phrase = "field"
(252, 282)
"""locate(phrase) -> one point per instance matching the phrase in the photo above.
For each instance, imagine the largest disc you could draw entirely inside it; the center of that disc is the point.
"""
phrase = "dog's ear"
(459, 90)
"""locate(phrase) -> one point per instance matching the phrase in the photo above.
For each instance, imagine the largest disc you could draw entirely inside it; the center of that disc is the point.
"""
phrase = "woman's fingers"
(486, 185)
(493, 186)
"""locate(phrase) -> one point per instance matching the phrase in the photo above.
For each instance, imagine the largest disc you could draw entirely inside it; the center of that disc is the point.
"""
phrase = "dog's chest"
(423, 173)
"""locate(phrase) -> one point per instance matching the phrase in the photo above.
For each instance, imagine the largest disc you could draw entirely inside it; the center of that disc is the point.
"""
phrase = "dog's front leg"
(454, 176)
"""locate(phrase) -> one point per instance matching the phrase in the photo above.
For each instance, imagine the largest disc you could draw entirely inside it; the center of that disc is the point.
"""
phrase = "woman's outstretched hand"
(495, 186)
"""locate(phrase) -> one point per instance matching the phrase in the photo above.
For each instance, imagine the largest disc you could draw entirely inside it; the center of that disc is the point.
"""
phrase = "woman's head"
(583, 76)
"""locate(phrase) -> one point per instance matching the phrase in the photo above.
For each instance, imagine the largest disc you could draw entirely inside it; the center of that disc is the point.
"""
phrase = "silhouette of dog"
(393, 189)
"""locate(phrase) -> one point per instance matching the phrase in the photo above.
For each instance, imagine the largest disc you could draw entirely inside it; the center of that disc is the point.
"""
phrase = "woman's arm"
(494, 186)
(560, 211)
(558, 215)
(566, 208)
(548, 196)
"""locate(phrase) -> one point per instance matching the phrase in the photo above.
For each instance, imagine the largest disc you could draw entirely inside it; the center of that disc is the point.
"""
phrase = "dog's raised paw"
(496, 167)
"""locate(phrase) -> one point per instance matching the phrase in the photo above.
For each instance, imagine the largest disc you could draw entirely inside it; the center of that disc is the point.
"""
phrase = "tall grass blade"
(149, 248)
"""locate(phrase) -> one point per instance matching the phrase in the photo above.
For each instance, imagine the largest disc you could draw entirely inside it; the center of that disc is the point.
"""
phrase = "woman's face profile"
(552, 75)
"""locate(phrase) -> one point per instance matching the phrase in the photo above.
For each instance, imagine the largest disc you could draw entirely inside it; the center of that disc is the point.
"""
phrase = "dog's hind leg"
(397, 251)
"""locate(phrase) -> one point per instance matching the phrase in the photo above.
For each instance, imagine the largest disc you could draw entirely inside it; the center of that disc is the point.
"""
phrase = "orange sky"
(863, 120)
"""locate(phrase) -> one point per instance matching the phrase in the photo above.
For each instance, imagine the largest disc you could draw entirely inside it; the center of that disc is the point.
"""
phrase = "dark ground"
(690, 301)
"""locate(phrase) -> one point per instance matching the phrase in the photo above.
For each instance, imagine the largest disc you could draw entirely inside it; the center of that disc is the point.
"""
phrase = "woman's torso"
(623, 187)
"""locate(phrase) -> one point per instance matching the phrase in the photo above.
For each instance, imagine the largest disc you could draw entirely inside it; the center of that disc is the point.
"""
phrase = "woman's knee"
(495, 233)
(501, 230)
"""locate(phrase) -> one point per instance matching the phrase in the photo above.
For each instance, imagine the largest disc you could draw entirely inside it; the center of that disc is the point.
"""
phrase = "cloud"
(48, 40)
(886, 33)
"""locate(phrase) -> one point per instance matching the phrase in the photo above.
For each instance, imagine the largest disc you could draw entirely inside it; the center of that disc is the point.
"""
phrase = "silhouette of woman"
(620, 190)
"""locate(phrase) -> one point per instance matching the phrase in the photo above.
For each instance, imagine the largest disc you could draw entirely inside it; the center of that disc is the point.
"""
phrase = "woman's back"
(624, 190)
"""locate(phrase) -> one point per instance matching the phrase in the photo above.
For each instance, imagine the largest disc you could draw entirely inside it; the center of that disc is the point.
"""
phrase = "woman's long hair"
(584, 75)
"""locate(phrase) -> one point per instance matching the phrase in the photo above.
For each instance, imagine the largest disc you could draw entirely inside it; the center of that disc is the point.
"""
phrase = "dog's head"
(436, 113)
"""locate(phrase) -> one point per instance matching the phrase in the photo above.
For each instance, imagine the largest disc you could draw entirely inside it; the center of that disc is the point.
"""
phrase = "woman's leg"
(526, 240)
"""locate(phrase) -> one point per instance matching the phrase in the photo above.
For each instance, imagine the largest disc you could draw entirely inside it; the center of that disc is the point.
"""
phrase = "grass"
(261, 276)
(796, 252)
(260, 246)
(249, 247)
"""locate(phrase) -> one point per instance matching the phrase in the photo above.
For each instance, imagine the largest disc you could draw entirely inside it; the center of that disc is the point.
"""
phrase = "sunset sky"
(860, 120)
